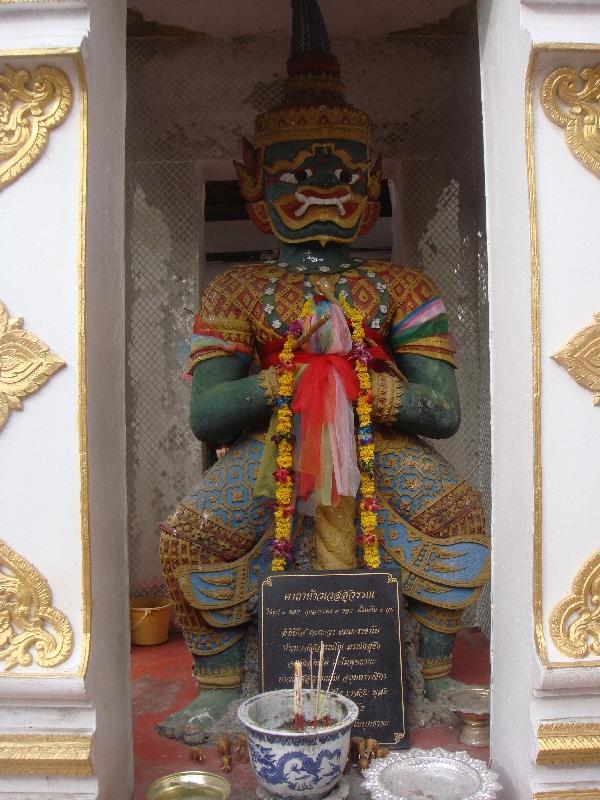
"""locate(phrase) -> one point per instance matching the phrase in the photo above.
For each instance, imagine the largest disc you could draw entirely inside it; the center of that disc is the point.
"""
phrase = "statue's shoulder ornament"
(235, 291)
(409, 287)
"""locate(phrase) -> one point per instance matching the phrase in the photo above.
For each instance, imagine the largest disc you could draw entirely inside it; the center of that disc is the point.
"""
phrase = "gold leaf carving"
(46, 754)
(575, 622)
(26, 363)
(27, 619)
(568, 743)
(581, 358)
(576, 110)
(30, 105)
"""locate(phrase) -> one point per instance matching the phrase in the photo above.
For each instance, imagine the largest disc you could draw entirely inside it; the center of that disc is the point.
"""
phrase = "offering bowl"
(305, 764)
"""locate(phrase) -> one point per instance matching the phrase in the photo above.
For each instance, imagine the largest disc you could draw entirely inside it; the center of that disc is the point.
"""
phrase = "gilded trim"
(535, 326)
(45, 754)
(539, 634)
(580, 357)
(77, 58)
(27, 619)
(568, 743)
(575, 622)
(568, 794)
(86, 579)
(33, 103)
(576, 110)
(26, 363)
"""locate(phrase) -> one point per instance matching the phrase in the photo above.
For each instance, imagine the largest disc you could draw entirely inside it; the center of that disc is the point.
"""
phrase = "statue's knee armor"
(212, 550)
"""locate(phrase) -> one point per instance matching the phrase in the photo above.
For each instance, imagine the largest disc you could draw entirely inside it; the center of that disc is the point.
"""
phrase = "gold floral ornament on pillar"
(26, 363)
(31, 103)
(581, 358)
(577, 110)
(575, 622)
(30, 628)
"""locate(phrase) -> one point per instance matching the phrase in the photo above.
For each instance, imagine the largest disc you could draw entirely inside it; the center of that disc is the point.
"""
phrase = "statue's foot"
(212, 704)
(191, 723)
(435, 685)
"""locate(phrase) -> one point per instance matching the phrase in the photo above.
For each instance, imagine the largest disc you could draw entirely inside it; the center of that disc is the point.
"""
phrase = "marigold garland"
(364, 434)
(281, 545)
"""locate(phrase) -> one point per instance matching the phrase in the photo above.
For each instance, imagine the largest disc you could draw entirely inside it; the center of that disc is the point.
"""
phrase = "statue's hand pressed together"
(226, 401)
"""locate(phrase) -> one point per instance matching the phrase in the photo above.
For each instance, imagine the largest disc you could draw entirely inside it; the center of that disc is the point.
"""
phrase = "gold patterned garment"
(247, 309)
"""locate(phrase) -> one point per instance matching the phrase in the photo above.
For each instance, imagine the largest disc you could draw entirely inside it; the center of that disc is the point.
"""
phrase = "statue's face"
(316, 191)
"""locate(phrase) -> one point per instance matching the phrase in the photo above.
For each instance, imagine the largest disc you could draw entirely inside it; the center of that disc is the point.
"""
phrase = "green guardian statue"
(356, 364)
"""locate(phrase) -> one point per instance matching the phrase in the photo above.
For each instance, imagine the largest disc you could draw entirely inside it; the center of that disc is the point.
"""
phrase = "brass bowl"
(193, 785)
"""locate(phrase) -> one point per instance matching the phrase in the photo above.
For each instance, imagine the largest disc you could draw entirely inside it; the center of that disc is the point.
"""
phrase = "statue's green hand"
(226, 401)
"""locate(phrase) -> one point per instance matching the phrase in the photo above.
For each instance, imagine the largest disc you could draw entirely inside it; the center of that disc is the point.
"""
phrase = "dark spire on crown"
(313, 70)
(309, 34)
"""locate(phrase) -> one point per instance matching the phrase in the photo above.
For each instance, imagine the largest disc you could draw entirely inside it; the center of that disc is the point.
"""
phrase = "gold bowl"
(192, 785)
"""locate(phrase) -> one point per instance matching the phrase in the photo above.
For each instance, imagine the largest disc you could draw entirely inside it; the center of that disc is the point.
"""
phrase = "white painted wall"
(504, 52)
(526, 691)
(41, 502)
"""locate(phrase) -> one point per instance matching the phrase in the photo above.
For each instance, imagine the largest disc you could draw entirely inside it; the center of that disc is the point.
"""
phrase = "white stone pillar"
(543, 196)
(64, 685)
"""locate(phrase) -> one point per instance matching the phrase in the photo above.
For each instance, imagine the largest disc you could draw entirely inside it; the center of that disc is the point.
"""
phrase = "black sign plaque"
(357, 611)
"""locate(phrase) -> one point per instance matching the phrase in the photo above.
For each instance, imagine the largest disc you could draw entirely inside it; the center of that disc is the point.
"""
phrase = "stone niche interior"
(198, 73)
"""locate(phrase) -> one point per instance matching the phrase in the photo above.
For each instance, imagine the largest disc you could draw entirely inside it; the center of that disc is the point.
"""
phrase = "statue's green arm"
(429, 405)
(226, 400)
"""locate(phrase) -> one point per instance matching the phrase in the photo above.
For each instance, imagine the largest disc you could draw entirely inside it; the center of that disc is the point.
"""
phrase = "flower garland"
(364, 434)
(281, 545)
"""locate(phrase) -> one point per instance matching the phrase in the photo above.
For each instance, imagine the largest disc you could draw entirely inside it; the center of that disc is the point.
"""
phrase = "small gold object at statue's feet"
(197, 754)
(224, 751)
(371, 748)
(226, 763)
(241, 748)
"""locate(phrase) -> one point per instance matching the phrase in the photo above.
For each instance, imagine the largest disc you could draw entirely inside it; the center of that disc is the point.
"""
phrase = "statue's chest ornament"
(375, 296)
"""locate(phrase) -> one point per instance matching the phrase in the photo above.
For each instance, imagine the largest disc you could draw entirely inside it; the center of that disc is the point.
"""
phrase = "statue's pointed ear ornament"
(373, 206)
(251, 179)
(374, 180)
(250, 172)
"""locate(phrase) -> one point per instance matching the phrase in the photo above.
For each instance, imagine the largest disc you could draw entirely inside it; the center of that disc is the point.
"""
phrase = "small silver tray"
(430, 775)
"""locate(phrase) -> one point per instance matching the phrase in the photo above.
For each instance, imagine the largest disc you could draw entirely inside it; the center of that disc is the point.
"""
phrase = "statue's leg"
(217, 665)
(435, 643)
(433, 527)
(210, 552)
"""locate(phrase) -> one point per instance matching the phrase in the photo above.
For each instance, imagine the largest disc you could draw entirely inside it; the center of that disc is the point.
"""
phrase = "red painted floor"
(162, 683)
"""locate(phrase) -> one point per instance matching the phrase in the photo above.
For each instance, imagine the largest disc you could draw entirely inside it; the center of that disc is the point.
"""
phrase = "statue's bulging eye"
(296, 177)
(345, 176)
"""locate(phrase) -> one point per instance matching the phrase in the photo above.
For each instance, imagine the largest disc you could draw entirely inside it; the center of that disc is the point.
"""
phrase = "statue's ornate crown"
(313, 106)
(314, 122)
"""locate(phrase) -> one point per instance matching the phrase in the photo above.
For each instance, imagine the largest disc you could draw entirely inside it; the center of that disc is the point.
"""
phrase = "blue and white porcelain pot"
(297, 764)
